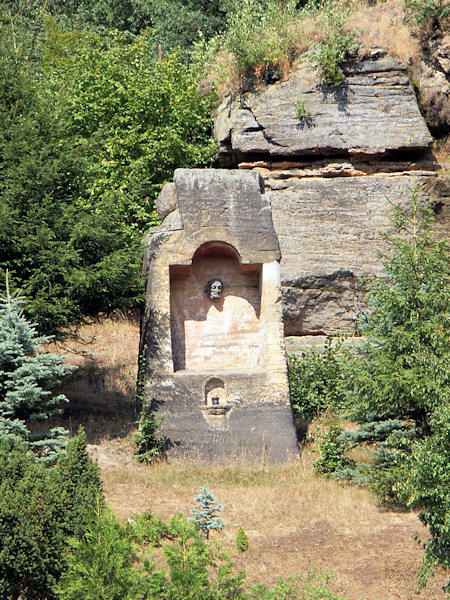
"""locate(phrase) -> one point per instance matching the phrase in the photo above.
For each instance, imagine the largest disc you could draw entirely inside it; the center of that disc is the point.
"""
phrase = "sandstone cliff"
(333, 160)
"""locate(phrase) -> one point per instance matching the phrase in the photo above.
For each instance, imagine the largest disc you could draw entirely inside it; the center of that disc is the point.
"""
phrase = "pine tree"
(26, 377)
(403, 368)
(41, 506)
(241, 540)
(205, 516)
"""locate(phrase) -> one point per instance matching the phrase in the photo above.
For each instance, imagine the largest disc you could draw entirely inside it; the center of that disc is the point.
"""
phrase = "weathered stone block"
(329, 231)
(372, 113)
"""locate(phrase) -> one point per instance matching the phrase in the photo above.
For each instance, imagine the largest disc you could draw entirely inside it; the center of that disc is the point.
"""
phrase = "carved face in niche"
(214, 288)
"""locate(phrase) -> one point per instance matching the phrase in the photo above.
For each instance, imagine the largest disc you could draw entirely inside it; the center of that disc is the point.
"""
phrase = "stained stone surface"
(372, 113)
(215, 368)
(329, 231)
(232, 201)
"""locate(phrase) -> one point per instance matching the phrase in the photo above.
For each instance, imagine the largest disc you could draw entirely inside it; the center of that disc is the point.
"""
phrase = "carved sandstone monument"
(212, 333)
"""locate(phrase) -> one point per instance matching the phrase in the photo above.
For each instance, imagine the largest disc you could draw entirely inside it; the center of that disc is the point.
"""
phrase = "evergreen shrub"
(241, 540)
(40, 508)
(114, 562)
(206, 518)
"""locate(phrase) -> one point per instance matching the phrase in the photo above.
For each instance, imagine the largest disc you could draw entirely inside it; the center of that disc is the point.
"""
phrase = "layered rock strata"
(333, 162)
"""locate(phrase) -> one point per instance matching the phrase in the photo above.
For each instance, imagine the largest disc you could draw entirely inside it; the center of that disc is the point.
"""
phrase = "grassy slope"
(290, 516)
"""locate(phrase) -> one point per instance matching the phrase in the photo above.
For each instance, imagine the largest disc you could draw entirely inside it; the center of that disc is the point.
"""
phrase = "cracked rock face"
(329, 230)
(374, 111)
(333, 162)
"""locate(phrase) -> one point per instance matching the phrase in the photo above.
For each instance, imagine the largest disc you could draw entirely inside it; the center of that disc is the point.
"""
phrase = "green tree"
(78, 485)
(205, 516)
(101, 563)
(36, 518)
(31, 545)
(174, 24)
(112, 561)
(403, 367)
(399, 381)
(26, 378)
(139, 120)
(68, 261)
(429, 488)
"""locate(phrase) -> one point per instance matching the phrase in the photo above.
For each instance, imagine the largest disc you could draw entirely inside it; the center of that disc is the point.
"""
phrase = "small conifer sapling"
(241, 540)
(205, 516)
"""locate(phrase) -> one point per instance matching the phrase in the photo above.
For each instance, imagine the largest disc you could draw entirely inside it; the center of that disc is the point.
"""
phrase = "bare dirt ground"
(292, 517)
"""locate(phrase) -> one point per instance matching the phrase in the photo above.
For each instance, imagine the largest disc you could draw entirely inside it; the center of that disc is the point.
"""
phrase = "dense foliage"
(404, 367)
(91, 128)
(396, 384)
(40, 508)
(99, 102)
(114, 561)
(429, 488)
(315, 380)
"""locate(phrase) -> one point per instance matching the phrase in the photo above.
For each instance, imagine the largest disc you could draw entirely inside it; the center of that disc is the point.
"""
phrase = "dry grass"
(291, 516)
(101, 391)
(384, 26)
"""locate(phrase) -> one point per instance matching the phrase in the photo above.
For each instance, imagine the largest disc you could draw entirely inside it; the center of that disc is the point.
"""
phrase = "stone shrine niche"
(220, 332)
(212, 332)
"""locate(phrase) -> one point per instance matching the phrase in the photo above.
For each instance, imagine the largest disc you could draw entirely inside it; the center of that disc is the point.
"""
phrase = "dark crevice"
(232, 159)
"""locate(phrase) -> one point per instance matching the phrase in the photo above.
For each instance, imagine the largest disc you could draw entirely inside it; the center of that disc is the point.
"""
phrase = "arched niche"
(210, 333)
(214, 392)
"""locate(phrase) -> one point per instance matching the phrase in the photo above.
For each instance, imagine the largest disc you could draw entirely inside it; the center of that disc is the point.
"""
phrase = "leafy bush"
(429, 487)
(40, 507)
(332, 449)
(261, 35)
(428, 9)
(139, 118)
(148, 444)
(337, 44)
(316, 379)
(314, 585)
(301, 110)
